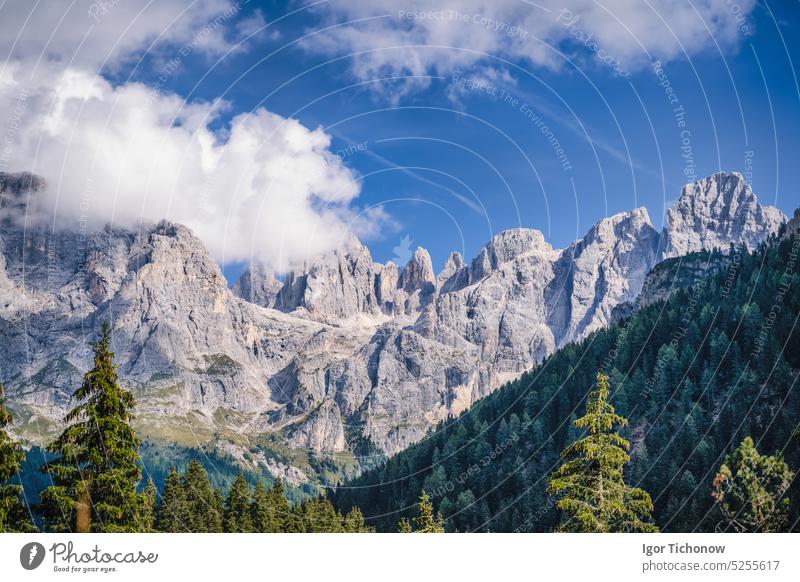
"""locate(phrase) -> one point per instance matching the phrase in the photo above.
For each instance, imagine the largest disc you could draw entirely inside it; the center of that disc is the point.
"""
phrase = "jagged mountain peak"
(257, 284)
(454, 275)
(715, 212)
(510, 244)
(622, 225)
(454, 262)
(418, 274)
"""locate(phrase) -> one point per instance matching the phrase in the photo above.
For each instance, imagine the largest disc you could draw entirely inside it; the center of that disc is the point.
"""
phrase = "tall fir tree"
(319, 516)
(14, 516)
(354, 522)
(95, 471)
(173, 510)
(260, 514)
(269, 510)
(751, 491)
(237, 518)
(150, 495)
(589, 484)
(204, 503)
(426, 521)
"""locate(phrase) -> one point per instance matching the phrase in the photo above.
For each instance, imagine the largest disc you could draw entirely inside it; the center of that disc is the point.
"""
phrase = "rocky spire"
(454, 275)
(418, 273)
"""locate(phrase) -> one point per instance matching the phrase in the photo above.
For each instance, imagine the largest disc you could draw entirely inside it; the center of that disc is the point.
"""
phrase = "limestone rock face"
(455, 274)
(342, 354)
(258, 285)
(386, 277)
(418, 273)
(604, 269)
(715, 212)
(793, 225)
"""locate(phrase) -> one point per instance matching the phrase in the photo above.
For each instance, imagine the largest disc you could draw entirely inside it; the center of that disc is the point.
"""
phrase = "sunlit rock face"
(715, 212)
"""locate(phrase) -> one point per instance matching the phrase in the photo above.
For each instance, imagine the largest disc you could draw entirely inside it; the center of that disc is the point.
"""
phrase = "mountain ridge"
(341, 356)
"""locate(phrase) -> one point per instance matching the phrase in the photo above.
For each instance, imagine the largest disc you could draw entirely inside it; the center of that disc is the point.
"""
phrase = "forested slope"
(695, 374)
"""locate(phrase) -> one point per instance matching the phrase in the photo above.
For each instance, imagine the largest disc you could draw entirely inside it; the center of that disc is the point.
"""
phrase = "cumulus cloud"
(254, 186)
(416, 36)
(263, 186)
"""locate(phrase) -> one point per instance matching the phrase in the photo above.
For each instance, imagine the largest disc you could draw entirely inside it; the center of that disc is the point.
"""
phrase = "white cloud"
(261, 186)
(90, 33)
(415, 36)
(265, 186)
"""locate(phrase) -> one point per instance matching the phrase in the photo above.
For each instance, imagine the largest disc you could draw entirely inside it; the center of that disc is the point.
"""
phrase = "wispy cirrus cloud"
(418, 37)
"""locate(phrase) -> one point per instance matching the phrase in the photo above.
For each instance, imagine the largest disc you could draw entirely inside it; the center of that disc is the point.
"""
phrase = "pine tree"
(279, 505)
(426, 521)
(173, 511)
(404, 526)
(270, 509)
(218, 509)
(13, 515)
(260, 514)
(319, 516)
(750, 489)
(204, 503)
(150, 496)
(590, 485)
(95, 471)
(354, 522)
(237, 507)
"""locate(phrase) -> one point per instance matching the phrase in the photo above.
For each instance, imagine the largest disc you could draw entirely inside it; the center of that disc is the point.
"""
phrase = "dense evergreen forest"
(707, 380)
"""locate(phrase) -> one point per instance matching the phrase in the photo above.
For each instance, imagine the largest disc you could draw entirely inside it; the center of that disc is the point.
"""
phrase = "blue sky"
(450, 165)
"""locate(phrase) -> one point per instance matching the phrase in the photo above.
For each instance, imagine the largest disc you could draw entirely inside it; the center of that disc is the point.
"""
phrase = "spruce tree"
(204, 503)
(426, 521)
(278, 501)
(354, 522)
(751, 491)
(237, 507)
(150, 497)
(259, 509)
(173, 511)
(590, 485)
(319, 516)
(95, 471)
(13, 515)
(269, 510)
(219, 508)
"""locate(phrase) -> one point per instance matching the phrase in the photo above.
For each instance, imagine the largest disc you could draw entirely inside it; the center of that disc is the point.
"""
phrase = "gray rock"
(418, 273)
(258, 285)
(715, 212)
(454, 276)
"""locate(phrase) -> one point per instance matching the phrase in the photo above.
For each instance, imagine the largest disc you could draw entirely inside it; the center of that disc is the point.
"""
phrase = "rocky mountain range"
(343, 356)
